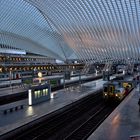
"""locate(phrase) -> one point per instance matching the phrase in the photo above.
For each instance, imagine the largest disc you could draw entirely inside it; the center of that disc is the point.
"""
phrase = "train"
(9, 83)
(54, 81)
(117, 90)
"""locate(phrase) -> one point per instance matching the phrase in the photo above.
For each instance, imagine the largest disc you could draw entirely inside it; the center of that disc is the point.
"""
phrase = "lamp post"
(33, 75)
(40, 76)
(80, 78)
(10, 76)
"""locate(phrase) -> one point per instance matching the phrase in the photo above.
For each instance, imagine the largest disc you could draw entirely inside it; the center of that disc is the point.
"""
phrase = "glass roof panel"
(89, 29)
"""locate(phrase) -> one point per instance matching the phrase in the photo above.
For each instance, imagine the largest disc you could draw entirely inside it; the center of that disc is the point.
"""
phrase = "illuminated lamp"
(30, 97)
(40, 76)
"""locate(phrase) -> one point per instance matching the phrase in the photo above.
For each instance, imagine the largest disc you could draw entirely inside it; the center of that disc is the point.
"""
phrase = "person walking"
(139, 104)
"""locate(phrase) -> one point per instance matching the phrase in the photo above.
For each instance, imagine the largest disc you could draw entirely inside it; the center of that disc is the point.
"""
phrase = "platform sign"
(40, 93)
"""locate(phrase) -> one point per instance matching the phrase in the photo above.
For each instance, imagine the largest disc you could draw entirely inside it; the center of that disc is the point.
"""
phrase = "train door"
(105, 91)
(111, 90)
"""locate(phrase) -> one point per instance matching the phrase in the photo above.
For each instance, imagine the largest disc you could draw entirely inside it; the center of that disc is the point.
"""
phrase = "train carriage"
(113, 90)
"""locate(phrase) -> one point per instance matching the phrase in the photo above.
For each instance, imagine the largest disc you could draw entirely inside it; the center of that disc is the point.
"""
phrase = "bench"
(135, 137)
(12, 108)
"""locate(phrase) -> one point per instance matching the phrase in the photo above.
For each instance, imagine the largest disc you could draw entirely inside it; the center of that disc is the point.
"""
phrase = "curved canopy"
(90, 30)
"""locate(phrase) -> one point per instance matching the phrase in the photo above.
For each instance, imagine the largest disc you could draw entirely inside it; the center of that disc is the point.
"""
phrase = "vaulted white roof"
(92, 30)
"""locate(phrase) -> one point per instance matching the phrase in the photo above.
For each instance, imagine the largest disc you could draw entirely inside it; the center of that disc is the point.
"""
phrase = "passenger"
(139, 104)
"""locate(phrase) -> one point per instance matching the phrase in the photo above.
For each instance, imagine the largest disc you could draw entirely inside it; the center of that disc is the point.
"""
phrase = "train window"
(105, 89)
(116, 91)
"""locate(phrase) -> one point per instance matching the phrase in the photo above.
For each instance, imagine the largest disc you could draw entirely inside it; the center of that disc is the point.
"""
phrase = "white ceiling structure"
(89, 30)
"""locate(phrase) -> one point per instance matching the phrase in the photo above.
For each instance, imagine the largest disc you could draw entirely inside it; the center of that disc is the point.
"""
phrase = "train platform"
(19, 92)
(15, 119)
(19, 89)
(123, 123)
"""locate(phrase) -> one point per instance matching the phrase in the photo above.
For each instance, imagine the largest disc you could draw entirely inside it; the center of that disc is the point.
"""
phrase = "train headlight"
(105, 94)
(116, 95)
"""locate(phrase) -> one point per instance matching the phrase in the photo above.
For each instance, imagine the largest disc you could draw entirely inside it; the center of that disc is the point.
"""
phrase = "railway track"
(85, 124)
(53, 124)
(69, 123)
(85, 129)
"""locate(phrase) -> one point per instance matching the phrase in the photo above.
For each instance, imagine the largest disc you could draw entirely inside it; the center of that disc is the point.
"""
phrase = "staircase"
(86, 69)
(108, 66)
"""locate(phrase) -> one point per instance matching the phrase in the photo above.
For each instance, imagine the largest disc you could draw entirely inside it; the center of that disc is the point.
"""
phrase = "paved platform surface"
(123, 122)
(61, 98)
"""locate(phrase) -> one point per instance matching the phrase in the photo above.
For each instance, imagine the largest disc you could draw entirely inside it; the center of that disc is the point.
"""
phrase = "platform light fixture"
(40, 76)
(30, 97)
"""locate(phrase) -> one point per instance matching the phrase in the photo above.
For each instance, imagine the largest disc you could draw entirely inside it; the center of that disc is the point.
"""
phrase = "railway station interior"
(69, 70)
